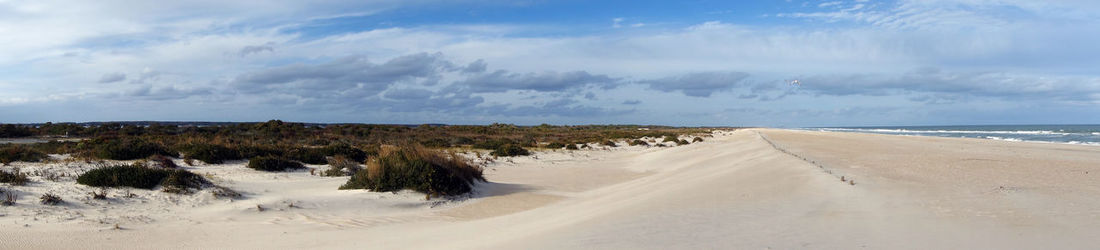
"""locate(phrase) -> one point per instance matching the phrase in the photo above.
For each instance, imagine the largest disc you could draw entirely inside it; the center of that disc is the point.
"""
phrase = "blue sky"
(860, 62)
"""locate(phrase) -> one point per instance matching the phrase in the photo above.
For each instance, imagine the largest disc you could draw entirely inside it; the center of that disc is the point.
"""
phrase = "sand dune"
(754, 188)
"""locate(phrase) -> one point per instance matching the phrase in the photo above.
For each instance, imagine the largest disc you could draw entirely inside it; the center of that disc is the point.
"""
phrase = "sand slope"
(756, 188)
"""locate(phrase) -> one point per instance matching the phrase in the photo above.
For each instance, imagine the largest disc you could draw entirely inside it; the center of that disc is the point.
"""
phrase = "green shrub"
(18, 153)
(251, 151)
(697, 139)
(609, 143)
(556, 145)
(571, 146)
(684, 142)
(130, 149)
(638, 142)
(670, 138)
(163, 161)
(510, 150)
(341, 166)
(173, 180)
(416, 168)
(273, 164)
(350, 152)
(436, 143)
(210, 153)
(15, 177)
(307, 155)
(492, 144)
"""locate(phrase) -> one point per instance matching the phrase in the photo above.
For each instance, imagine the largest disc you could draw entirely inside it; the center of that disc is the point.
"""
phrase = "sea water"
(1068, 134)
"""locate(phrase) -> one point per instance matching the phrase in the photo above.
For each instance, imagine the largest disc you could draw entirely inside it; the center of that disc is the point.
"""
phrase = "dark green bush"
(307, 155)
(510, 150)
(697, 139)
(669, 138)
(609, 143)
(11, 154)
(571, 146)
(210, 153)
(15, 178)
(492, 144)
(350, 152)
(14, 131)
(555, 145)
(130, 149)
(416, 168)
(273, 164)
(638, 142)
(684, 142)
(250, 151)
(173, 180)
(436, 143)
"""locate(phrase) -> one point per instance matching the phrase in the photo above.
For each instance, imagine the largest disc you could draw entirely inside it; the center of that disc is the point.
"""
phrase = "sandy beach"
(750, 188)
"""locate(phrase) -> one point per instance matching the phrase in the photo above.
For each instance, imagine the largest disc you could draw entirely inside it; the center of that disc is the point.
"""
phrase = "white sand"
(732, 191)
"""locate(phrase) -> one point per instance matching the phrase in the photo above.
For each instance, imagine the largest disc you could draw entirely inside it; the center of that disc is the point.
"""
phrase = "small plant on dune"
(571, 146)
(210, 153)
(341, 166)
(101, 195)
(416, 168)
(684, 142)
(173, 180)
(273, 164)
(510, 150)
(163, 162)
(18, 153)
(609, 143)
(223, 192)
(697, 139)
(50, 199)
(638, 143)
(9, 199)
(670, 138)
(556, 145)
(15, 177)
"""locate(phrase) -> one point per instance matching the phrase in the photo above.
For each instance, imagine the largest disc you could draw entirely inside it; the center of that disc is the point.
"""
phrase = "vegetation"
(609, 143)
(11, 154)
(50, 199)
(14, 131)
(697, 139)
(210, 153)
(341, 166)
(173, 180)
(571, 146)
(510, 150)
(128, 149)
(273, 164)
(14, 178)
(671, 138)
(556, 145)
(417, 168)
(638, 142)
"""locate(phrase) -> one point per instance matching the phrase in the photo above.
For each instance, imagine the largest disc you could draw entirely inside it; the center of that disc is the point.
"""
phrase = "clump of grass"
(9, 199)
(416, 168)
(173, 180)
(697, 139)
(210, 153)
(341, 166)
(556, 145)
(11, 154)
(129, 149)
(50, 199)
(510, 150)
(671, 138)
(163, 162)
(638, 142)
(609, 143)
(15, 177)
(571, 146)
(273, 164)
(101, 195)
(684, 142)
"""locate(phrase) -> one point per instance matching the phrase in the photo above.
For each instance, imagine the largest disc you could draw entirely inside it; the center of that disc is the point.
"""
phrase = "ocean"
(1067, 134)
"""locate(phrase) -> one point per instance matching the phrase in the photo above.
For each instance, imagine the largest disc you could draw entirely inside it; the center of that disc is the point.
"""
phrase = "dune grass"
(416, 168)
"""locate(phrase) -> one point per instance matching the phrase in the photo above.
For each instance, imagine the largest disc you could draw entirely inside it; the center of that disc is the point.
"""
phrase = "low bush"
(273, 164)
(609, 143)
(14, 178)
(251, 151)
(173, 180)
(571, 146)
(306, 155)
(556, 145)
(492, 144)
(341, 166)
(697, 139)
(669, 138)
(436, 143)
(129, 149)
(684, 142)
(416, 168)
(510, 150)
(638, 142)
(163, 162)
(350, 152)
(17, 153)
(50, 199)
(210, 153)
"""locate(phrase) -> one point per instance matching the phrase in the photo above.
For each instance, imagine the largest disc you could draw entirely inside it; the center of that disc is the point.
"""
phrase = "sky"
(529, 62)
